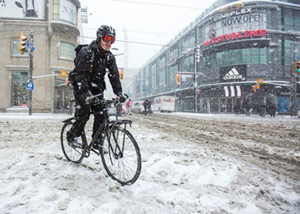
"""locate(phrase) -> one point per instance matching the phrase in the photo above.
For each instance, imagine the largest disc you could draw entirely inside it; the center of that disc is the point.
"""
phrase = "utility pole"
(293, 95)
(197, 59)
(30, 73)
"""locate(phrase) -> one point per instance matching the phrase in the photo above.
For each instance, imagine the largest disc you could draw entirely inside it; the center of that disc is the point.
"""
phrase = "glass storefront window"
(214, 105)
(19, 92)
(62, 96)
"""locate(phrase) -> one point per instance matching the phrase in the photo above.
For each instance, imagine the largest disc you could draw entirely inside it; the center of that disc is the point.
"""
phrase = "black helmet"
(105, 30)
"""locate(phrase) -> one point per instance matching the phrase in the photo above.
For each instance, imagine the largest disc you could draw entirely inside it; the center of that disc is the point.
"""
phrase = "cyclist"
(91, 64)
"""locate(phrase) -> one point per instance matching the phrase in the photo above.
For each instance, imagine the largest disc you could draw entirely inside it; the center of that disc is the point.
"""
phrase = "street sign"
(30, 46)
(29, 86)
(145, 88)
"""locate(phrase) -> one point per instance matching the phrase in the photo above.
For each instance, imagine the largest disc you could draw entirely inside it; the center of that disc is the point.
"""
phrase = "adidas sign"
(233, 74)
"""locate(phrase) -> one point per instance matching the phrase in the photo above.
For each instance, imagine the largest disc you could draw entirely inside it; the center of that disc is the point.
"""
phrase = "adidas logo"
(233, 74)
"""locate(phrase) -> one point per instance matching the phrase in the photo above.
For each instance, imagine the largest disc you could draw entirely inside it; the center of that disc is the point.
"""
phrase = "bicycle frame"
(105, 126)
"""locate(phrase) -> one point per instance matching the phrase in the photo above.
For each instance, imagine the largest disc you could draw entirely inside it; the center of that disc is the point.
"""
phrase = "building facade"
(54, 25)
(234, 49)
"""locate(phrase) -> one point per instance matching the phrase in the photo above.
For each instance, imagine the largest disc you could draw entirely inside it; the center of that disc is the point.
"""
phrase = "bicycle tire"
(125, 168)
(74, 155)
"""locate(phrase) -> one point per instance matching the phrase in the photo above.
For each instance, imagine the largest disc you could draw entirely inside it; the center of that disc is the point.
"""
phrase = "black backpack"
(72, 74)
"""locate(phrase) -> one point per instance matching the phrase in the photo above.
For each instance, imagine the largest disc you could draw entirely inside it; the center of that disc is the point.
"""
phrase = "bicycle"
(119, 151)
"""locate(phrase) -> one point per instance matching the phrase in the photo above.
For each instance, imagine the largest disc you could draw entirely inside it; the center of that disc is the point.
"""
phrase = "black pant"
(82, 115)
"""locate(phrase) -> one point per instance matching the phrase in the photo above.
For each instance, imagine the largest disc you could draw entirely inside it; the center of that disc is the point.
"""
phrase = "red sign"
(236, 35)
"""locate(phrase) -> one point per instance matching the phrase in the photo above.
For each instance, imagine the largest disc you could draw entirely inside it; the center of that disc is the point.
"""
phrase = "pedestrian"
(237, 107)
(246, 105)
(272, 109)
(262, 109)
(128, 107)
(149, 107)
(91, 64)
(145, 104)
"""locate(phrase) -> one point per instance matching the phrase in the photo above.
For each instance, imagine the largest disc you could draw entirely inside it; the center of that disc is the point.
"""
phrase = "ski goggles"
(108, 39)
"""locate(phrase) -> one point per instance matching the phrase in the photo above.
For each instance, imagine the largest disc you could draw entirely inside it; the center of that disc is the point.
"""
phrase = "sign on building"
(236, 73)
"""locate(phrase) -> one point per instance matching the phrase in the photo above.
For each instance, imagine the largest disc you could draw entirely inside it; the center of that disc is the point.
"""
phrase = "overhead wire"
(157, 4)
(142, 43)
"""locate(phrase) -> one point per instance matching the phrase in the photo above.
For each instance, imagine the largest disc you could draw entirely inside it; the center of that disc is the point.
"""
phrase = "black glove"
(121, 98)
(89, 98)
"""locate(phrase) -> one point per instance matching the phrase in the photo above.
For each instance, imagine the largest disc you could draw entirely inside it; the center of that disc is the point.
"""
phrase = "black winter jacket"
(91, 64)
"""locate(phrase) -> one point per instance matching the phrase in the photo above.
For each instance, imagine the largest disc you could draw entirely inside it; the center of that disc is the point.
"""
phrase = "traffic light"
(67, 82)
(178, 79)
(63, 73)
(198, 53)
(22, 43)
(297, 67)
(260, 81)
(121, 75)
(255, 87)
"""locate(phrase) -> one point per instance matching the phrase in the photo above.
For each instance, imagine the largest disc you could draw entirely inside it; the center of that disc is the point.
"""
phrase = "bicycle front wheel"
(72, 154)
(121, 156)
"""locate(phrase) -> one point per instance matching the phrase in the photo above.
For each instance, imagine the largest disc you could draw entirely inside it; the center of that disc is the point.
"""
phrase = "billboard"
(22, 9)
(239, 19)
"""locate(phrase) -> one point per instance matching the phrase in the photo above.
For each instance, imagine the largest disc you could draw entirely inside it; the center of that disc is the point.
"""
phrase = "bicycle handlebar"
(103, 101)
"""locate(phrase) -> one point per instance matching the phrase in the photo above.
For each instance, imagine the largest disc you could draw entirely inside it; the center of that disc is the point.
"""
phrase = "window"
(147, 80)
(291, 20)
(173, 53)
(153, 73)
(287, 51)
(15, 49)
(19, 92)
(172, 76)
(246, 56)
(188, 64)
(236, 57)
(161, 69)
(189, 41)
(67, 50)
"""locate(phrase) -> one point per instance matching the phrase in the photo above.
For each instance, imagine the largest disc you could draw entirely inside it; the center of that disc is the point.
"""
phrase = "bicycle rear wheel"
(72, 154)
(121, 156)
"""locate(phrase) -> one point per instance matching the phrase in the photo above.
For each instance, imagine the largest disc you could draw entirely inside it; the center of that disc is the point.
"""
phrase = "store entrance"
(18, 91)
(226, 105)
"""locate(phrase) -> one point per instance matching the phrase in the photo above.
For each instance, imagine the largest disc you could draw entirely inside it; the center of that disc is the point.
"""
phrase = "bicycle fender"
(68, 120)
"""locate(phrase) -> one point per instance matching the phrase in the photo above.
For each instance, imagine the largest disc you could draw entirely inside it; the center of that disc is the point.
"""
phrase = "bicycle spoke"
(72, 154)
(122, 161)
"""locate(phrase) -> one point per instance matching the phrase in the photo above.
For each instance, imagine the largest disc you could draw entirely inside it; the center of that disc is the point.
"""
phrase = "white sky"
(146, 21)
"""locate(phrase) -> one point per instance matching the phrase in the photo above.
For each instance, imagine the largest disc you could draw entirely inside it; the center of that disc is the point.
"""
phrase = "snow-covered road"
(191, 164)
